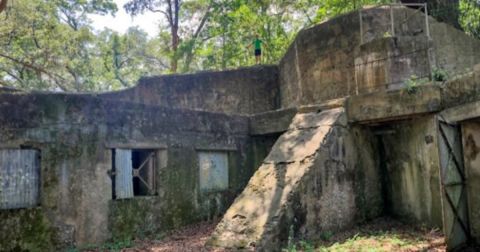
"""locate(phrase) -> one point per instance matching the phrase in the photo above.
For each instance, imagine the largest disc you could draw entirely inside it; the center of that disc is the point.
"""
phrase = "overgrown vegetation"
(51, 45)
(439, 74)
(115, 246)
(379, 235)
(413, 83)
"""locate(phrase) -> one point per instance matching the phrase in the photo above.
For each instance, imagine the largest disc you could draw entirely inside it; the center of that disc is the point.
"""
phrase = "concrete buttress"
(280, 199)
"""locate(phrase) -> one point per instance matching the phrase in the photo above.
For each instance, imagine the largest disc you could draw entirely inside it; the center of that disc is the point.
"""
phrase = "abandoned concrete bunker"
(352, 124)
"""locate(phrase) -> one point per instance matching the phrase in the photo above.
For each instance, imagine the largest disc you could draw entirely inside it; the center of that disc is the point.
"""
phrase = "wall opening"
(19, 178)
(385, 179)
(134, 172)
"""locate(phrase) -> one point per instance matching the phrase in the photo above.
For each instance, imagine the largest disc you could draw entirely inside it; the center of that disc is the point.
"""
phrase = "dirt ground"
(382, 234)
(191, 238)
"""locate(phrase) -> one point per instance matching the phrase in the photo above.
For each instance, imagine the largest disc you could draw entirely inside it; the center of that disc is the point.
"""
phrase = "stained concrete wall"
(75, 134)
(242, 91)
(338, 58)
(318, 65)
(471, 143)
(385, 63)
(411, 165)
(453, 50)
(462, 89)
(335, 59)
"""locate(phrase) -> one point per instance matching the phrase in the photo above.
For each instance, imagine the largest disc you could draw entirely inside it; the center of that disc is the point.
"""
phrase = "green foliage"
(332, 8)
(50, 45)
(470, 17)
(412, 84)
(292, 244)
(379, 241)
(326, 236)
(114, 246)
(291, 247)
(439, 74)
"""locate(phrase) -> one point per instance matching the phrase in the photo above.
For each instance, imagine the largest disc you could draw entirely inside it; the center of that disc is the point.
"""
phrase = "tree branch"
(158, 11)
(202, 22)
(37, 69)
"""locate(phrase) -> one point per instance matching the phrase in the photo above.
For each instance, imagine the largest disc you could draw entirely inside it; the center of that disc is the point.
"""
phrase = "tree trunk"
(191, 48)
(175, 42)
(175, 37)
(3, 5)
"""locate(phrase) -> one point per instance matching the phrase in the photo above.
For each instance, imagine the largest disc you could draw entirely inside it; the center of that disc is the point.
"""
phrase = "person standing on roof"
(257, 46)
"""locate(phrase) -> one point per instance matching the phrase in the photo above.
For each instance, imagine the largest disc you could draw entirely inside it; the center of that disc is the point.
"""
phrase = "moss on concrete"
(25, 230)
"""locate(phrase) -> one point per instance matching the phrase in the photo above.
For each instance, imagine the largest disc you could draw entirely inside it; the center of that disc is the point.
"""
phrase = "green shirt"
(257, 43)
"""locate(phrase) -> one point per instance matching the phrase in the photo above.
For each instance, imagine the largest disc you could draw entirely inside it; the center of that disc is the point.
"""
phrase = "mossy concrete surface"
(75, 135)
(25, 230)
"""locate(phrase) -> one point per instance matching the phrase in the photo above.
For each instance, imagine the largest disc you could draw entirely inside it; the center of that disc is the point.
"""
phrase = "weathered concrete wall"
(385, 63)
(338, 58)
(453, 50)
(318, 66)
(242, 91)
(75, 134)
(471, 143)
(411, 165)
(331, 60)
(314, 180)
(462, 89)
(179, 200)
(393, 105)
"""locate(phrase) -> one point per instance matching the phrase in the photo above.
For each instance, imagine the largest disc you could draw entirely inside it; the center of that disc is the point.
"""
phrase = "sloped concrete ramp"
(276, 200)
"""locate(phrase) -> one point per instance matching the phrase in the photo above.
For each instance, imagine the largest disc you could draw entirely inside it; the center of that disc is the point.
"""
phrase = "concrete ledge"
(461, 113)
(271, 122)
(278, 121)
(394, 105)
(330, 104)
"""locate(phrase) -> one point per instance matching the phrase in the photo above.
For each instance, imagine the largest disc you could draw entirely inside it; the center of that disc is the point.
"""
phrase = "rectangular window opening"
(133, 172)
(19, 178)
(213, 170)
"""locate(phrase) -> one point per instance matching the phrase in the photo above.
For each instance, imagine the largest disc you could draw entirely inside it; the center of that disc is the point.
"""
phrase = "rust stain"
(472, 148)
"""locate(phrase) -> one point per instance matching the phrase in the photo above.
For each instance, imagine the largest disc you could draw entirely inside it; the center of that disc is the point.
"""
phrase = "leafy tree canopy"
(50, 44)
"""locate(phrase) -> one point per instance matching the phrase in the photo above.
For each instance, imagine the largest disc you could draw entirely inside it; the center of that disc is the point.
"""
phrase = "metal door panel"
(454, 198)
(123, 174)
(19, 178)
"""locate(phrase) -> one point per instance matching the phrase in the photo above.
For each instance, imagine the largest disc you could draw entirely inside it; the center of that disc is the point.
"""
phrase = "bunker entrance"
(424, 178)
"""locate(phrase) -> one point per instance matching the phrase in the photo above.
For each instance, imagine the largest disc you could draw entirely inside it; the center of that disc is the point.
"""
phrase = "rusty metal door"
(453, 179)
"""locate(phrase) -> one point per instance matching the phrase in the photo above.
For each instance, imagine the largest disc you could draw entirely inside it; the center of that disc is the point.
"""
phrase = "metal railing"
(420, 7)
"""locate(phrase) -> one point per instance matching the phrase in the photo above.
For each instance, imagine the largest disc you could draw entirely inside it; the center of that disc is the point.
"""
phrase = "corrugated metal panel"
(123, 174)
(213, 170)
(19, 179)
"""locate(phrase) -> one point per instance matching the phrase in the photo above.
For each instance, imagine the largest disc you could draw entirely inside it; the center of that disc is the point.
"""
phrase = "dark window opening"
(143, 164)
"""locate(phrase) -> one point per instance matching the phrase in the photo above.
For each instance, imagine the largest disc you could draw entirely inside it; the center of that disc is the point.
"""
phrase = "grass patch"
(380, 235)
